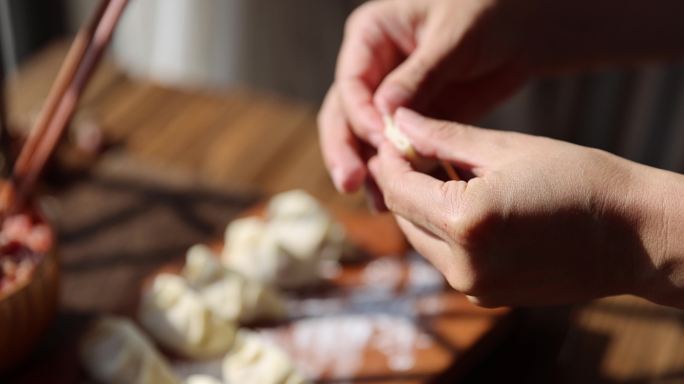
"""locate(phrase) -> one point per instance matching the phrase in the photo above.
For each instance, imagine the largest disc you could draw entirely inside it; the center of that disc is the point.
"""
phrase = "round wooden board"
(389, 318)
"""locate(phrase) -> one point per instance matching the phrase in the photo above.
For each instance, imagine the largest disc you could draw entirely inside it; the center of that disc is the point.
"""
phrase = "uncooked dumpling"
(227, 293)
(306, 229)
(252, 251)
(288, 247)
(179, 319)
(115, 351)
(256, 361)
(201, 266)
(202, 379)
(299, 223)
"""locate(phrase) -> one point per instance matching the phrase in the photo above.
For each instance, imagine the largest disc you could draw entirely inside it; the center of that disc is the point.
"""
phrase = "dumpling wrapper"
(400, 141)
(179, 319)
(228, 293)
(403, 144)
(287, 249)
(305, 228)
(115, 351)
(252, 251)
(256, 361)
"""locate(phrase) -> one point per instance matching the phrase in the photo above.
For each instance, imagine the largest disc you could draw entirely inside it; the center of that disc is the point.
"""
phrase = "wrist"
(659, 217)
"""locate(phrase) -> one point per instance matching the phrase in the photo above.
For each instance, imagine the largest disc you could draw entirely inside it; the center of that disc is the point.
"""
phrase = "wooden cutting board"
(389, 317)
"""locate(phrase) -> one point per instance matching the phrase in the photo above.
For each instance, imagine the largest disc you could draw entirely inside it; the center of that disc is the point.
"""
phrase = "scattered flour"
(335, 345)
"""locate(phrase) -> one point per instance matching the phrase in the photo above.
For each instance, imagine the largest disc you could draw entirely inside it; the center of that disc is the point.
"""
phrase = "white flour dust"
(335, 345)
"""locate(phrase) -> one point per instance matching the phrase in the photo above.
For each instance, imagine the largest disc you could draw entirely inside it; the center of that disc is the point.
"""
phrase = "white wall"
(288, 46)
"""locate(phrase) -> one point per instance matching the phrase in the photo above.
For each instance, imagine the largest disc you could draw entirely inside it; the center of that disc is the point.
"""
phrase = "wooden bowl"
(28, 308)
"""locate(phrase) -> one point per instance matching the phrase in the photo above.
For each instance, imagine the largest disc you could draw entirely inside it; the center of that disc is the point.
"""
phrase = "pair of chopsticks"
(83, 56)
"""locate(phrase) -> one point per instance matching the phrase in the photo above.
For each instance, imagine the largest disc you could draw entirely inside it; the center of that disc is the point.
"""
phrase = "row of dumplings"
(196, 314)
(116, 351)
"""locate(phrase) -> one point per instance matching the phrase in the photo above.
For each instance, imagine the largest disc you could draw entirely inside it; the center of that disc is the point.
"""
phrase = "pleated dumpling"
(305, 229)
(252, 251)
(228, 293)
(115, 351)
(202, 379)
(179, 319)
(256, 361)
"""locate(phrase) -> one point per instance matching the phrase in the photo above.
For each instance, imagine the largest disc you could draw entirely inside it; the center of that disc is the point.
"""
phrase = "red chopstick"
(83, 56)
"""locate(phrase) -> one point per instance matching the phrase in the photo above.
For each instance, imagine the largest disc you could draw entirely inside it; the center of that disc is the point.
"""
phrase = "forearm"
(569, 35)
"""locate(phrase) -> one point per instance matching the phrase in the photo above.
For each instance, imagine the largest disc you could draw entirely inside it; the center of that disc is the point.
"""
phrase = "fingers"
(427, 244)
(364, 119)
(435, 35)
(401, 85)
(367, 54)
(339, 145)
(426, 201)
(453, 142)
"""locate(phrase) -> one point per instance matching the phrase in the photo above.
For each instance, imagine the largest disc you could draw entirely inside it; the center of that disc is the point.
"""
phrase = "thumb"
(461, 144)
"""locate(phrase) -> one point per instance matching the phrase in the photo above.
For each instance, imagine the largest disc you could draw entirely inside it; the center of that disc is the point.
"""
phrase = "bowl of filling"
(29, 282)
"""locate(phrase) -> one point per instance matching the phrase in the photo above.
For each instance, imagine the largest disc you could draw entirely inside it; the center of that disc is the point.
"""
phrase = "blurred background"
(288, 47)
(280, 54)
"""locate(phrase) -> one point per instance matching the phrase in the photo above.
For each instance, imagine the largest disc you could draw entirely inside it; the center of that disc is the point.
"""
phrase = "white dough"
(254, 360)
(179, 319)
(400, 141)
(202, 379)
(227, 293)
(115, 351)
(252, 251)
(288, 247)
(201, 266)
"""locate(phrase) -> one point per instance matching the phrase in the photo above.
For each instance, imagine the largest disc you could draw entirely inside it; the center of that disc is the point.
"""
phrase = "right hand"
(451, 59)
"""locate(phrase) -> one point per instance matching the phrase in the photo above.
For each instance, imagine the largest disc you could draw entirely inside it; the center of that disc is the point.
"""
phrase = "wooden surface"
(388, 317)
(185, 163)
(252, 142)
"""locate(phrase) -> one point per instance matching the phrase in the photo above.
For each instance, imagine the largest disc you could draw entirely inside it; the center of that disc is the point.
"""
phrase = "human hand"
(452, 59)
(541, 221)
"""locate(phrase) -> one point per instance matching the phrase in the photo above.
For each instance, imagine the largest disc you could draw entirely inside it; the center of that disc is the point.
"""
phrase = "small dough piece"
(400, 141)
(115, 351)
(254, 360)
(202, 379)
(227, 293)
(179, 319)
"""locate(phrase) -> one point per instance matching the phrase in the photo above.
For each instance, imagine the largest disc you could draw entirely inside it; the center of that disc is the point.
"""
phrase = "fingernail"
(338, 178)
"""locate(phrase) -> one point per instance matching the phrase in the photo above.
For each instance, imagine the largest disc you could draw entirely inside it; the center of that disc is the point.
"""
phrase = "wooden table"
(251, 142)
(183, 164)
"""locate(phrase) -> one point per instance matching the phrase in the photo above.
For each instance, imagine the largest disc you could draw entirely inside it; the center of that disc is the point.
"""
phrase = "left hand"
(541, 222)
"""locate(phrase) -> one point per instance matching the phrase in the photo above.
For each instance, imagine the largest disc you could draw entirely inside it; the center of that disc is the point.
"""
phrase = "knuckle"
(473, 218)
(391, 196)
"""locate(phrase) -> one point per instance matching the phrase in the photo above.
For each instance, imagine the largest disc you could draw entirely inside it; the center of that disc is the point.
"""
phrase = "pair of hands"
(541, 221)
